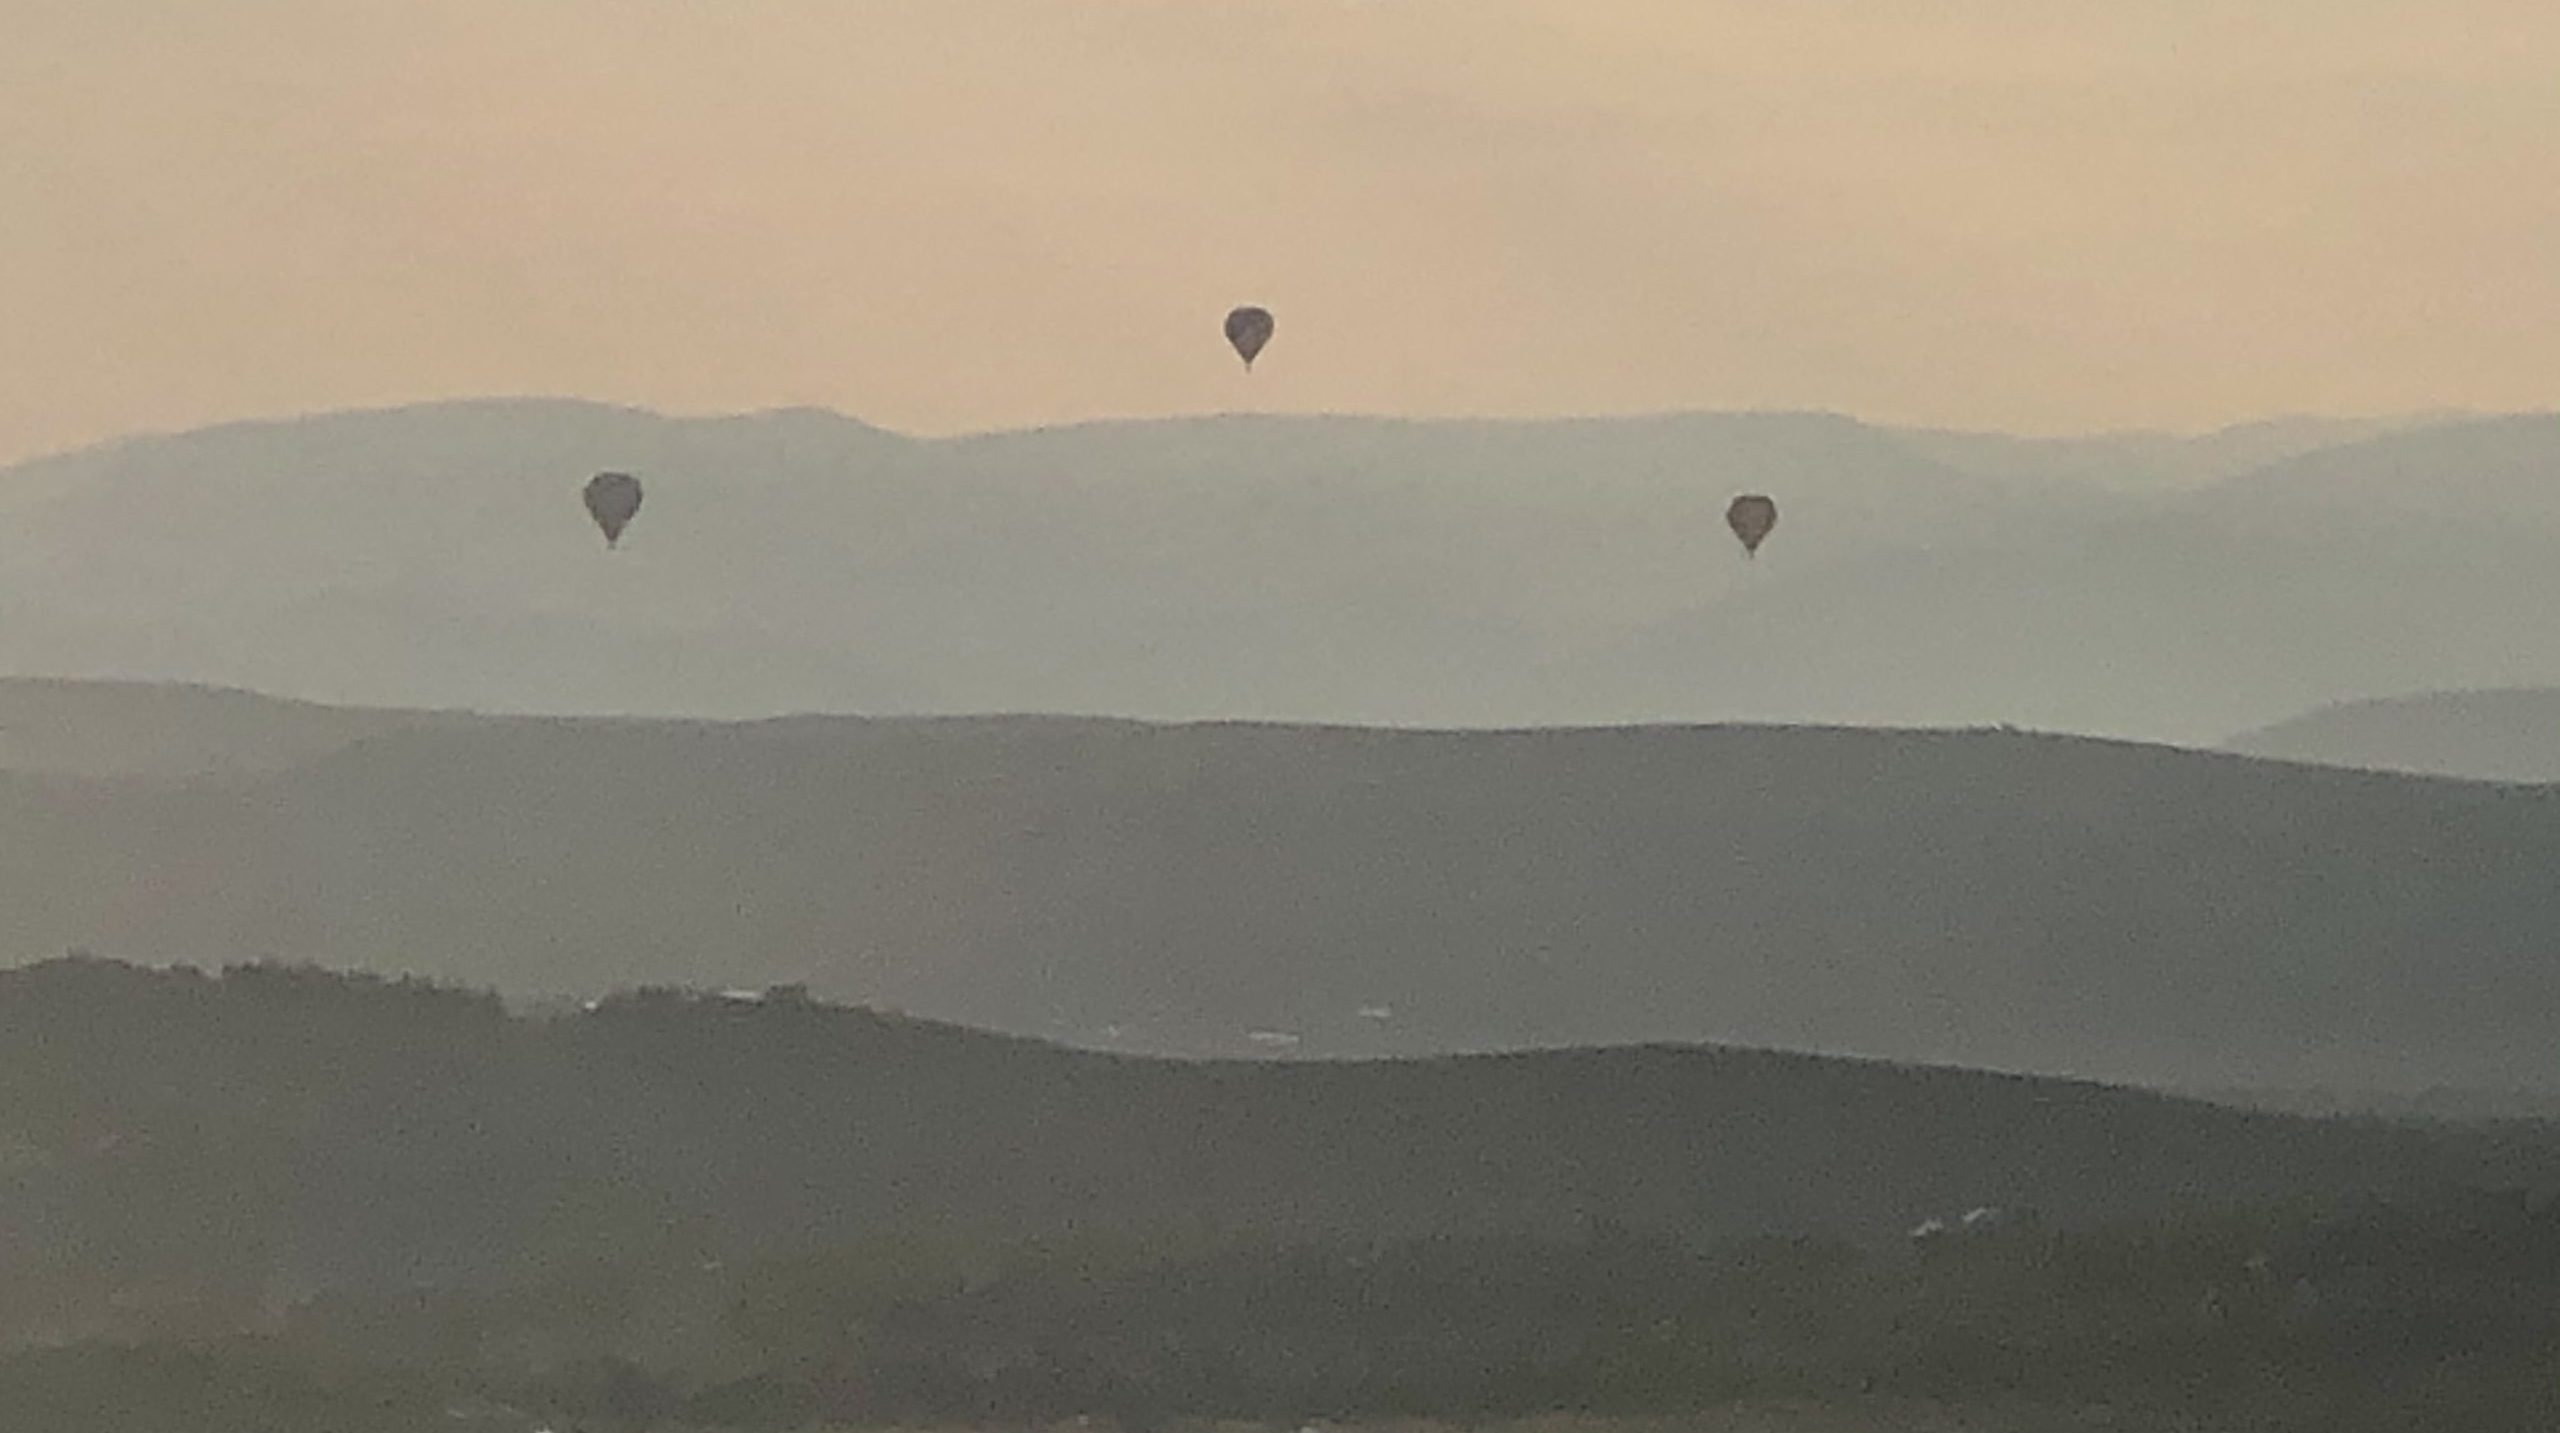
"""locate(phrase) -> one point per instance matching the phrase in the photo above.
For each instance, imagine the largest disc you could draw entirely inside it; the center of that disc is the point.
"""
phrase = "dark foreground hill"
(2483, 736)
(1999, 900)
(284, 1201)
(220, 1148)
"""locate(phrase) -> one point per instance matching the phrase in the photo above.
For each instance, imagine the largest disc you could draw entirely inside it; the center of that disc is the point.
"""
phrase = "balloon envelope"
(1751, 516)
(613, 499)
(1249, 329)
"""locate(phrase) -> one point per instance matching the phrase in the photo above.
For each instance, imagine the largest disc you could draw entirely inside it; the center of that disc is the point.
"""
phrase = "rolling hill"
(2000, 900)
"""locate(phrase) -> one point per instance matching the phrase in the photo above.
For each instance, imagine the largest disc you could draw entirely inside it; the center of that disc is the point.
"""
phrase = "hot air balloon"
(612, 500)
(1249, 329)
(1751, 516)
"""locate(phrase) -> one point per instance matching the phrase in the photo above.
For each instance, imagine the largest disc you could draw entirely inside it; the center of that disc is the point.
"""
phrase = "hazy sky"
(945, 214)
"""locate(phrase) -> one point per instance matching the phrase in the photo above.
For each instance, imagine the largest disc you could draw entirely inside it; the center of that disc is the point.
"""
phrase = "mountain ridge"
(1282, 567)
(2509, 734)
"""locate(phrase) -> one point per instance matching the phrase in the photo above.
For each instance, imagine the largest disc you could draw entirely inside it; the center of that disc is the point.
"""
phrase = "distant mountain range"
(1343, 570)
(135, 729)
(2031, 903)
(172, 1140)
(2485, 736)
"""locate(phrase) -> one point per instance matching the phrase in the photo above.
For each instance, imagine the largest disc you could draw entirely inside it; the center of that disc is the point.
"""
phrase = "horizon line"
(2410, 418)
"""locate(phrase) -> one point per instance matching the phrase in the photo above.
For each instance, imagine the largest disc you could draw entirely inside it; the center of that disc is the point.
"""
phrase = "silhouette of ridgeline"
(273, 1132)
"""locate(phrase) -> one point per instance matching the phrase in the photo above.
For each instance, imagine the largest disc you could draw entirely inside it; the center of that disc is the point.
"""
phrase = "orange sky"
(951, 214)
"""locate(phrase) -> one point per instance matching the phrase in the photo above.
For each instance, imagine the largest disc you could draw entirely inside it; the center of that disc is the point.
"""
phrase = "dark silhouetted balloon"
(1751, 516)
(1249, 329)
(612, 500)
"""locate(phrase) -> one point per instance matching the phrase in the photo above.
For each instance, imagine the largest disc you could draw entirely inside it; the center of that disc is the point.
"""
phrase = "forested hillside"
(314, 1194)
